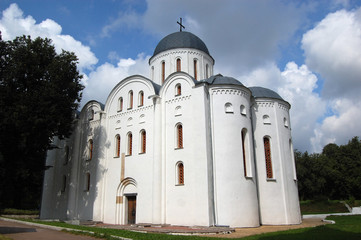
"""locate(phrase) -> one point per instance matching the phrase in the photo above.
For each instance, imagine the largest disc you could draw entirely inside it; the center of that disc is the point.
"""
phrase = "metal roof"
(180, 40)
(221, 80)
(261, 92)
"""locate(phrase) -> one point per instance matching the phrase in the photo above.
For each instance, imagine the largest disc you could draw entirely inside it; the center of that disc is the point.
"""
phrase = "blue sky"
(307, 51)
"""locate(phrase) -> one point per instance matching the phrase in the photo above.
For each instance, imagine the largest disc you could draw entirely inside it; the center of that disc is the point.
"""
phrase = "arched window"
(178, 89)
(143, 141)
(243, 110)
(163, 72)
(87, 182)
(285, 122)
(243, 133)
(266, 120)
(267, 153)
(195, 68)
(63, 186)
(207, 69)
(228, 108)
(179, 140)
(117, 145)
(90, 149)
(141, 98)
(179, 65)
(130, 100)
(180, 173)
(130, 143)
(91, 115)
(120, 104)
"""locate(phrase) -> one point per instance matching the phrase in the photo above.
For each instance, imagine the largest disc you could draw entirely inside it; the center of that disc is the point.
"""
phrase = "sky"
(307, 51)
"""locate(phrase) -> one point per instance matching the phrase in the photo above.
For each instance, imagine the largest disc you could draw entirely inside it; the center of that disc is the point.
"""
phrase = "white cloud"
(105, 77)
(333, 49)
(13, 23)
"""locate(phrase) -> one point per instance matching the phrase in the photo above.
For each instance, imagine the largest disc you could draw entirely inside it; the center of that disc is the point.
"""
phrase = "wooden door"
(132, 205)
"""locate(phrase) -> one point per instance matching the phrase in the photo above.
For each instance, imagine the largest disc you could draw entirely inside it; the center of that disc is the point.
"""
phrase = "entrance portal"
(132, 205)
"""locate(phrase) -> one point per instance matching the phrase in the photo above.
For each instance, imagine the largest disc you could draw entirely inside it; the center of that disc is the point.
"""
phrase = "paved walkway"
(19, 231)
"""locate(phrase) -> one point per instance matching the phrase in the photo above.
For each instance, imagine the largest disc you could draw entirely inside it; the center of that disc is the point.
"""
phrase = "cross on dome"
(180, 25)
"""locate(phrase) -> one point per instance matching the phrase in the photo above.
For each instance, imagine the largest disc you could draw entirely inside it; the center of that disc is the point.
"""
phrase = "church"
(182, 147)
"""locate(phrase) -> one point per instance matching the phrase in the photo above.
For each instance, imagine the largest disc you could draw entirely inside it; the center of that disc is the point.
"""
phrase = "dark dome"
(219, 79)
(180, 40)
(260, 92)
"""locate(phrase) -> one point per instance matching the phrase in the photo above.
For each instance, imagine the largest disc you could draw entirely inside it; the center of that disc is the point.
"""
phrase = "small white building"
(184, 147)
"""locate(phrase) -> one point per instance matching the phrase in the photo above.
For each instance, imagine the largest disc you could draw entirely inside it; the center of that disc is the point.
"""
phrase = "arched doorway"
(126, 212)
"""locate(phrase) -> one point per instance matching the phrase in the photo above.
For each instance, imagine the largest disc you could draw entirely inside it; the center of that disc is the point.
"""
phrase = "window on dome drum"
(179, 130)
(163, 72)
(228, 108)
(120, 104)
(178, 89)
(63, 186)
(87, 182)
(130, 99)
(243, 110)
(130, 144)
(243, 133)
(141, 98)
(195, 68)
(178, 65)
(143, 141)
(180, 173)
(267, 152)
(117, 145)
(207, 74)
(90, 149)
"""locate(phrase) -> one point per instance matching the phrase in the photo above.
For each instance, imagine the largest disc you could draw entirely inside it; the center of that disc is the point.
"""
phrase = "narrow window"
(179, 136)
(143, 143)
(90, 149)
(87, 182)
(285, 122)
(267, 152)
(141, 98)
(207, 74)
(180, 174)
(244, 131)
(195, 69)
(130, 99)
(243, 110)
(163, 72)
(63, 186)
(130, 143)
(91, 115)
(120, 104)
(178, 65)
(178, 90)
(266, 120)
(228, 108)
(117, 145)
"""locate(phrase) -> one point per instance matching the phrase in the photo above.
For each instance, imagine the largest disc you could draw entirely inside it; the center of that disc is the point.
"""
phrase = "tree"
(40, 91)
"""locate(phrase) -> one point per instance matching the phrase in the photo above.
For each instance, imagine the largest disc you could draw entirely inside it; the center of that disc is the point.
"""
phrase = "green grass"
(2, 237)
(324, 206)
(346, 228)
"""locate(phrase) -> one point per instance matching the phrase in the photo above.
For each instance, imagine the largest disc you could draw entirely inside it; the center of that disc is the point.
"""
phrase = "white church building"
(183, 147)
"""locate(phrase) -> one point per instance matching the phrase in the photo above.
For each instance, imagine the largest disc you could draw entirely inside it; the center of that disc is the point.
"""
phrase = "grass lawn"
(325, 206)
(346, 228)
(2, 237)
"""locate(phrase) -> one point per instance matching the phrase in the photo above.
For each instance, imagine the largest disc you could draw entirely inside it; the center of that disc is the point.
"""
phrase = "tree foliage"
(39, 93)
(334, 174)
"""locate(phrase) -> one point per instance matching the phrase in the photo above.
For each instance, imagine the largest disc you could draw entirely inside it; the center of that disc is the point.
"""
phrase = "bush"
(12, 211)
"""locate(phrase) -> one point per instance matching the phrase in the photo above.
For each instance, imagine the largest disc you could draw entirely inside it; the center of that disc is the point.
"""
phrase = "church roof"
(260, 92)
(219, 79)
(180, 40)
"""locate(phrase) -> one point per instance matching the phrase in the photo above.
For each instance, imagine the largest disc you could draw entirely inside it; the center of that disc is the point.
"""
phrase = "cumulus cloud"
(332, 49)
(105, 77)
(13, 23)
(296, 84)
